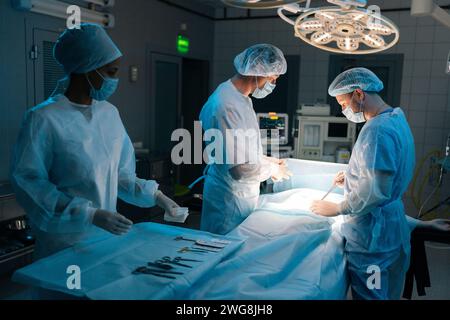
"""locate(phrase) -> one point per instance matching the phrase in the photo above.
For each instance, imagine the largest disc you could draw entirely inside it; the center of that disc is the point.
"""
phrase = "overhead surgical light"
(259, 4)
(347, 28)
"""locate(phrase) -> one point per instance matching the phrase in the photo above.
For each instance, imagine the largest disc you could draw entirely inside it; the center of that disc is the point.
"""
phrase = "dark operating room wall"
(145, 27)
(142, 26)
(13, 80)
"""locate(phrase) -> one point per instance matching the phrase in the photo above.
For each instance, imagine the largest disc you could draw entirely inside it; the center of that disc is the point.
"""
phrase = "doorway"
(195, 93)
(166, 89)
(180, 88)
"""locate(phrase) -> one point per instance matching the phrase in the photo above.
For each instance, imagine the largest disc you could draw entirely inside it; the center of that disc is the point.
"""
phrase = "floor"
(438, 256)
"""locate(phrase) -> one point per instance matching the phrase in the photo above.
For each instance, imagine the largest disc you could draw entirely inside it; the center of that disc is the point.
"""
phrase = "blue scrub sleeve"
(377, 165)
(48, 208)
(133, 190)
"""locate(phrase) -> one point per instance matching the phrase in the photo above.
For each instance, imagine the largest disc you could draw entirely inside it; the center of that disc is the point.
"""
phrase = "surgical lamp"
(348, 28)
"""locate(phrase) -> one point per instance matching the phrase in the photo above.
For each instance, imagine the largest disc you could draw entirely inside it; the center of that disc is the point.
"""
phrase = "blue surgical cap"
(356, 78)
(262, 60)
(85, 49)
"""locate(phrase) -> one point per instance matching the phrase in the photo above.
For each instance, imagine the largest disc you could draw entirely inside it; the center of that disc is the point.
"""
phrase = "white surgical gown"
(70, 161)
(231, 188)
(375, 227)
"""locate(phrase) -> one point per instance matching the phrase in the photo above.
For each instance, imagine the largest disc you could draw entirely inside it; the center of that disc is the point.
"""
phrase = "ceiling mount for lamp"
(260, 4)
(348, 28)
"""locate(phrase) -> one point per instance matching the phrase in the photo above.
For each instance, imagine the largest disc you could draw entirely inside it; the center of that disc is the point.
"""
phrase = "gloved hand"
(282, 173)
(339, 179)
(325, 208)
(112, 222)
(166, 203)
(275, 160)
(438, 225)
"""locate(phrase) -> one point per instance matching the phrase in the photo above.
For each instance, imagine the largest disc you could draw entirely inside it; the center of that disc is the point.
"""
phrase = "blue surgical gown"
(376, 230)
(69, 161)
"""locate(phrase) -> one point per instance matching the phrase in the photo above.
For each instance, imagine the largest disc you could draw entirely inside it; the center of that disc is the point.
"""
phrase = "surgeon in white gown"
(232, 182)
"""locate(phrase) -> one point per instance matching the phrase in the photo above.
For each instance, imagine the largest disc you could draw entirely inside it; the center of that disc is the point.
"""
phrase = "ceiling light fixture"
(348, 28)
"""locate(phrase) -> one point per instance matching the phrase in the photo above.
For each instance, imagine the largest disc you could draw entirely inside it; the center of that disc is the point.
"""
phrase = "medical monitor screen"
(337, 130)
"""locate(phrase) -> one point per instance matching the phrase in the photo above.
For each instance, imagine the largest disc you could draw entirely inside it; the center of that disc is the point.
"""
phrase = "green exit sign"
(183, 44)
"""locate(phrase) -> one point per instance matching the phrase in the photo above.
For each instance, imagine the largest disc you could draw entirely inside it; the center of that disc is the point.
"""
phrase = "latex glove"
(276, 160)
(112, 222)
(167, 204)
(181, 215)
(282, 173)
(325, 208)
(438, 225)
(339, 179)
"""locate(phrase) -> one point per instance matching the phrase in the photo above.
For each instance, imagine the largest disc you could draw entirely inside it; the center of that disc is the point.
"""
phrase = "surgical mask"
(107, 89)
(357, 117)
(265, 91)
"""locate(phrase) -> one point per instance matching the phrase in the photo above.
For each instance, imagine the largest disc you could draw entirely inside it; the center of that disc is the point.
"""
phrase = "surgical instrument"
(160, 265)
(144, 270)
(216, 250)
(185, 239)
(329, 191)
(170, 261)
(164, 272)
(183, 259)
(202, 243)
(197, 251)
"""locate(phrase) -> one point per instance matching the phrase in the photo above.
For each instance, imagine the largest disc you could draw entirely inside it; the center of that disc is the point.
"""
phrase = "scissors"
(169, 260)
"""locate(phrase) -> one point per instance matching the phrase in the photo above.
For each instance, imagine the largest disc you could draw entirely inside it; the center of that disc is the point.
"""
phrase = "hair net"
(263, 60)
(85, 49)
(350, 80)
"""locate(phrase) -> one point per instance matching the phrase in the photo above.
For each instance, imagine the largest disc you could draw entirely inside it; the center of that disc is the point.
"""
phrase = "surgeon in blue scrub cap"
(379, 172)
(73, 156)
